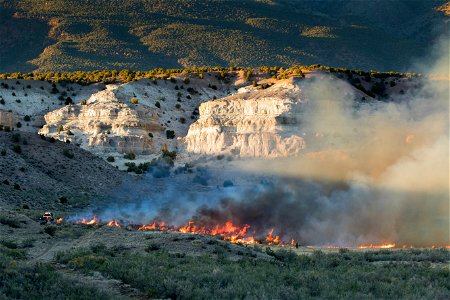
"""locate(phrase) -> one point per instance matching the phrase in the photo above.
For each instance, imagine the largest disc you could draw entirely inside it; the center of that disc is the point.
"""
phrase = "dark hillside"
(143, 34)
(47, 174)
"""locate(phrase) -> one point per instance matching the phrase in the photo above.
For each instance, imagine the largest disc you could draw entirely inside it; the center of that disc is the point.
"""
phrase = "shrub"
(134, 101)
(16, 137)
(54, 90)
(172, 155)
(17, 148)
(83, 102)
(170, 134)
(2, 101)
(110, 159)
(68, 153)
(157, 104)
(3, 152)
(9, 221)
(228, 183)
(68, 101)
(27, 118)
(50, 230)
(186, 80)
(150, 134)
(130, 156)
(18, 124)
(177, 106)
(17, 186)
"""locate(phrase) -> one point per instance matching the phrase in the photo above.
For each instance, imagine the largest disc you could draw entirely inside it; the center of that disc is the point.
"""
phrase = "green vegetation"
(68, 153)
(19, 280)
(170, 134)
(371, 274)
(123, 76)
(94, 35)
(138, 169)
(129, 156)
(17, 149)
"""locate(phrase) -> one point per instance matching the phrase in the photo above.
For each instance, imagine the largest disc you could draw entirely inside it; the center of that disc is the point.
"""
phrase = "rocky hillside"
(188, 113)
(23, 103)
(138, 117)
(69, 35)
(266, 120)
(41, 173)
(254, 122)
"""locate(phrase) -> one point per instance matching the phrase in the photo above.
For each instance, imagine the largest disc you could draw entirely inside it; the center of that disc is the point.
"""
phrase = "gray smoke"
(375, 173)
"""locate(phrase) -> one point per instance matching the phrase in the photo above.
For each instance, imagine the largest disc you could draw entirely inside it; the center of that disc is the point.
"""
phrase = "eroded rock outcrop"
(258, 123)
(104, 124)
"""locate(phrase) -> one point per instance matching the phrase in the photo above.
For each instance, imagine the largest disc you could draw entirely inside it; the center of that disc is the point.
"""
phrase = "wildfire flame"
(409, 139)
(383, 246)
(113, 223)
(59, 220)
(93, 221)
(272, 240)
(232, 233)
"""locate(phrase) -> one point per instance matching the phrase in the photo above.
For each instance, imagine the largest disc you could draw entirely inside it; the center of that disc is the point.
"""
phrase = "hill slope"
(49, 174)
(71, 35)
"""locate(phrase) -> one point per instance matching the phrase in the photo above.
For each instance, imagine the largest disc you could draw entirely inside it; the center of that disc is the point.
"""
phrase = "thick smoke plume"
(371, 173)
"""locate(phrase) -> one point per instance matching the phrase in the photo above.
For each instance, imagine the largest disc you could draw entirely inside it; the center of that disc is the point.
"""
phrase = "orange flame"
(272, 240)
(93, 221)
(234, 234)
(383, 246)
(59, 220)
(409, 139)
(113, 223)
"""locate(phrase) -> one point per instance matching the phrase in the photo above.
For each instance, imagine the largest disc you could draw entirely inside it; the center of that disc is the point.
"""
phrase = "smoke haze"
(371, 173)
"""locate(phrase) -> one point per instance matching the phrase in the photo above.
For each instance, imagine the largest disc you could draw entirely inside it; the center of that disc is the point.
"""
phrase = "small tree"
(68, 153)
(17, 148)
(170, 134)
(130, 156)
